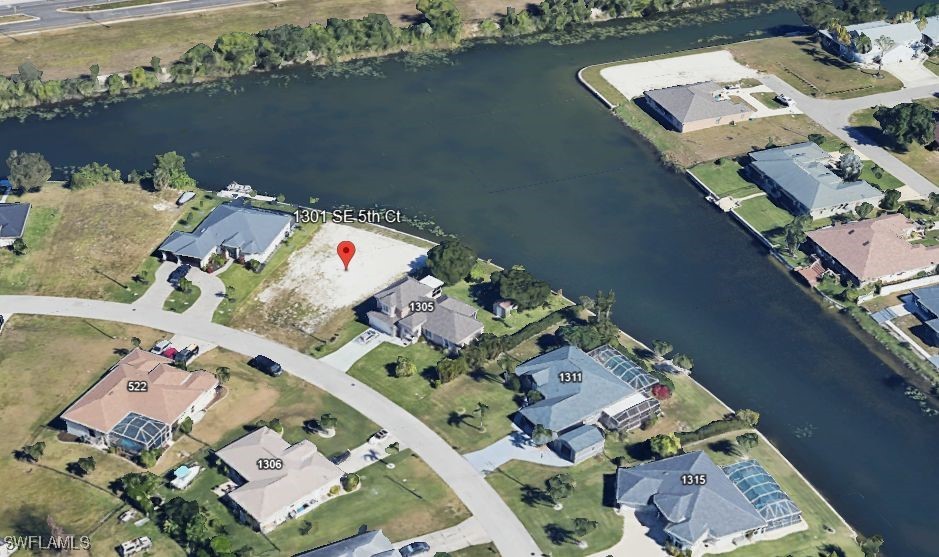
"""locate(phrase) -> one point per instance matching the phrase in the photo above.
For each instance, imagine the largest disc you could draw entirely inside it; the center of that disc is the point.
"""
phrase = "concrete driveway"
(345, 357)
(159, 290)
(367, 454)
(467, 533)
(495, 517)
(640, 538)
(514, 446)
(212, 293)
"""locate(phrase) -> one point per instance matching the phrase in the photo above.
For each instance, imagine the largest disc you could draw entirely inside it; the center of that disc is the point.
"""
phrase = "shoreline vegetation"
(684, 155)
(438, 27)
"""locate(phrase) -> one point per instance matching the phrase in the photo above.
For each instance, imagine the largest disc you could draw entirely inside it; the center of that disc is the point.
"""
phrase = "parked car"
(179, 273)
(378, 436)
(415, 548)
(183, 356)
(170, 352)
(785, 100)
(267, 365)
(341, 457)
(160, 346)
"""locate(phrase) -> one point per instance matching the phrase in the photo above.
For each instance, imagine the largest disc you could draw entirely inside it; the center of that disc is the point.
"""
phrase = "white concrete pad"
(638, 540)
(912, 73)
(345, 357)
(632, 79)
(467, 533)
(366, 454)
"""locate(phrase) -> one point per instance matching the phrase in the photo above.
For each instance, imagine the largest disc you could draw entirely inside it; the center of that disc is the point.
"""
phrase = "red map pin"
(346, 250)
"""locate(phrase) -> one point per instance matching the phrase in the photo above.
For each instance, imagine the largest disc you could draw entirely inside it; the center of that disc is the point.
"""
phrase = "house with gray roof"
(579, 444)
(411, 308)
(368, 544)
(926, 301)
(699, 507)
(577, 390)
(697, 106)
(12, 222)
(237, 230)
(800, 177)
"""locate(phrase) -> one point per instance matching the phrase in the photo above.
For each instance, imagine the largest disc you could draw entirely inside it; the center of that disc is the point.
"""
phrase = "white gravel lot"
(315, 277)
(632, 79)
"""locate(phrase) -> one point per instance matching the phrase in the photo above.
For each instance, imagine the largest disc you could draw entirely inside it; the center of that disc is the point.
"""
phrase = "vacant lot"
(918, 157)
(805, 65)
(36, 385)
(123, 45)
(88, 243)
(631, 79)
(450, 408)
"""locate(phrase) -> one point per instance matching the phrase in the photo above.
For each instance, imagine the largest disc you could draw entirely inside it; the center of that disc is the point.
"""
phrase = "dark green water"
(506, 150)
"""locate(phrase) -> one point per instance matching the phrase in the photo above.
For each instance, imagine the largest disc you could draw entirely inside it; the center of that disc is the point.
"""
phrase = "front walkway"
(514, 446)
(345, 357)
(467, 533)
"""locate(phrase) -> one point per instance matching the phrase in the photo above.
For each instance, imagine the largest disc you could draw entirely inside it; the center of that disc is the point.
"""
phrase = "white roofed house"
(904, 41)
(237, 230)
(276, 481)
(411, 308)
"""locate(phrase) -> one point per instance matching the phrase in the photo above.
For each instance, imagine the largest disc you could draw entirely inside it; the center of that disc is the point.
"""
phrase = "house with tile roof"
(411, 308)
(800, 177)
(368, 544)
(237, 229)
(139, 402)
(276, 481)
(12, 222)
(697, 106)
(578, 391)
(874, 250)
(700, 507)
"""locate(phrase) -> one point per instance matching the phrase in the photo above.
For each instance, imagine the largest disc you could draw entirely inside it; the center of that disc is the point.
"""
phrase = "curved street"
(491, 512)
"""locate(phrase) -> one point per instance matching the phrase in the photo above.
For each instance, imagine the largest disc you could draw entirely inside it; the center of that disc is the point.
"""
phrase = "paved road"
(50, 16)
(833, 115)
(495, 517)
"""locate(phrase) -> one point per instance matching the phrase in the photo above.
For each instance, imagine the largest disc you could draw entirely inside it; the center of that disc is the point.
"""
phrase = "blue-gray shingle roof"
(697, 101)
(582, 438)
(369, 544)
(716, 508)
(928, 298)
(13, 219)
(800, 170)
(568, 404)
(233, 225)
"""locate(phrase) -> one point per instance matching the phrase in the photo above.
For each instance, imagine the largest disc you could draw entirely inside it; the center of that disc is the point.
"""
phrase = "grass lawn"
(114, 5)
(180, 301)
(123, 45)
(88, 243)
(805, 65)
(486, 550)
(916, 156)
(197, 209)
(763, 215)
(521, 485)
(768, 99)
(243, 311)
(887, 181)
(34, 389)
(15, 18)
(481, 295)
(725, 179)
(335, 333)
(448, 409)
(816, 513)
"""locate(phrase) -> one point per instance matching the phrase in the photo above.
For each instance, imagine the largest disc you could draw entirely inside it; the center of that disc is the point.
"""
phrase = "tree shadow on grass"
(534, 496)
(725, 446)
(609, 490)
(640, 451)
(559, 535)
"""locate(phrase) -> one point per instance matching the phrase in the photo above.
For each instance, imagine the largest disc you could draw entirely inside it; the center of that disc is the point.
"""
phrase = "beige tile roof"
(268, 492)
(875, 248)
(171, 391)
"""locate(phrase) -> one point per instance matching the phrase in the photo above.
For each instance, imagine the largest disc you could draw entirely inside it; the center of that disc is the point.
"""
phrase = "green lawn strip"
(764, 216)
(349, 331)
(885, 182)
(115, 5)
(135, 289)
(14, 272)
(245, 281)
(179, 301)
(724, 179)
(516, 479)
(404, 502)
(817, 514)
(768, 99)
(448, 409)
(479, 293)
(197, 209)
(485, 550)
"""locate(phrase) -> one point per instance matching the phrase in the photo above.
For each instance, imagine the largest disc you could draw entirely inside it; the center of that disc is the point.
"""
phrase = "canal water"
(503, 148)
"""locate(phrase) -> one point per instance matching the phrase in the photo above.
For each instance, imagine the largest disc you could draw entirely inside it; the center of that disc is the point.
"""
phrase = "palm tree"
(482, 409)
(223, 374)
(885, 43)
